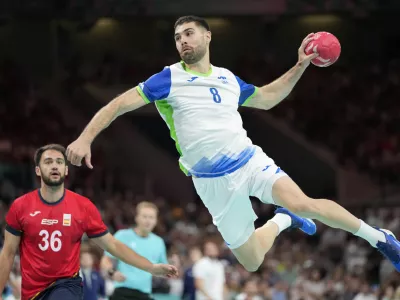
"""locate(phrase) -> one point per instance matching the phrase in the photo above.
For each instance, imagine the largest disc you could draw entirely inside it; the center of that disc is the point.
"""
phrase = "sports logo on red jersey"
(49, 222)
(35, 213)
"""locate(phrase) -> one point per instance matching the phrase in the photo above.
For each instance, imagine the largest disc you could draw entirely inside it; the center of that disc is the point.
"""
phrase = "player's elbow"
(6, 257)
(8, 252)
(266, 99)
(274, 98)
(128, 101)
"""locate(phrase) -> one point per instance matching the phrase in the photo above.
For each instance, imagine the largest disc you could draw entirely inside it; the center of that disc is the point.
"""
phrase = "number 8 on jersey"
(216, 96)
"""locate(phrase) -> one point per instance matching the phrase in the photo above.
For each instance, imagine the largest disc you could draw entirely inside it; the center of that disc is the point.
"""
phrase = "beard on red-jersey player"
(54, 179)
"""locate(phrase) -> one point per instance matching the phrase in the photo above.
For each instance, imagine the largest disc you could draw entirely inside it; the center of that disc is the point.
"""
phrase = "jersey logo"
(266, 168)
(193, 79)
(34, 213)
(49, 222)
(223, 79)
(67, 220)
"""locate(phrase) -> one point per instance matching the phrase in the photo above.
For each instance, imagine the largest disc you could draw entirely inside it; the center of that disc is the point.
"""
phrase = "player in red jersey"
(47, 226)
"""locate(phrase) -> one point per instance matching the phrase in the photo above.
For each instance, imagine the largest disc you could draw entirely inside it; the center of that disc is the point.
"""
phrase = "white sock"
(283, 221)
(372, 235)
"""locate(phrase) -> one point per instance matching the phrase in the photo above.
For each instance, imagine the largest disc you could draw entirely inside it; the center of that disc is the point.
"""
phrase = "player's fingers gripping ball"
(327, 46)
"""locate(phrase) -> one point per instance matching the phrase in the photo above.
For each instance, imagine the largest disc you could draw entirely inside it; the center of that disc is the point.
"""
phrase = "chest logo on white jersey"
(67, 220)
(193, 78)
(34, 213)
(223, 78)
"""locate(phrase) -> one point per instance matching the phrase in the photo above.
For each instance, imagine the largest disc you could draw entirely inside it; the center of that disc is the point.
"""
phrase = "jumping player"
(47, 226)
(199, 102)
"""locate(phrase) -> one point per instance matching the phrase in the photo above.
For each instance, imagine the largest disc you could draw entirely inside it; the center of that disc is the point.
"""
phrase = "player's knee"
(250, 255)
(251, 261)
(252, 265)
(254, 260)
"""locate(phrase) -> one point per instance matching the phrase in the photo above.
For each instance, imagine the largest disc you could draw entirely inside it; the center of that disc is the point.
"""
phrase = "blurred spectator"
(250, 291)
(365, 293)
(93, 282)
(209, 274)
(189, 287)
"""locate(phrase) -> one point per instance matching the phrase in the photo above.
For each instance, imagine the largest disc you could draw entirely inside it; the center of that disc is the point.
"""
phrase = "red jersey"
(51, 236)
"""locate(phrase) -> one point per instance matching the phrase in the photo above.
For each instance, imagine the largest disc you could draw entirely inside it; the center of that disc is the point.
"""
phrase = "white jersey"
(201, 111)
(212, 272)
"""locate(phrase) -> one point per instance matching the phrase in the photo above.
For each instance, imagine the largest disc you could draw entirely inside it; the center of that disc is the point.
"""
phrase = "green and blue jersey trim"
(144, 97)
(251, 96)
(167, 111)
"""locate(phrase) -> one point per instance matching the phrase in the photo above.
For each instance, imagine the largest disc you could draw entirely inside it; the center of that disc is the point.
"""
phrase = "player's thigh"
(264, 173)
(227, 200)
(66, 293)
(288, 194)
(68, 289)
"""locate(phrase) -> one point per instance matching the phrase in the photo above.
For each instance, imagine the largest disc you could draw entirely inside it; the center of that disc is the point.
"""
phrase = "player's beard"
(195, 55)
(51, 182)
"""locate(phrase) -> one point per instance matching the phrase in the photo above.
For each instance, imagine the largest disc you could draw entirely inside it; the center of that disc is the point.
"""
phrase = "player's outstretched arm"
(80, 148)
(272, 94)
(127, 255)
(11, 244)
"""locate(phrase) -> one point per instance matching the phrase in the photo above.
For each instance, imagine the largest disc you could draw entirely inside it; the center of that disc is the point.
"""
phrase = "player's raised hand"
(303, 57)
(163, 270)
(78, 150)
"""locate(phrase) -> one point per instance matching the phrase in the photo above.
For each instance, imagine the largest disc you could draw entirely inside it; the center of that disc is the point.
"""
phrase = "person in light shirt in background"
(189, 288)
(209, 275)
(366, 293)
(250, 291)
(175, 284)
(131, 282)
(315, 286)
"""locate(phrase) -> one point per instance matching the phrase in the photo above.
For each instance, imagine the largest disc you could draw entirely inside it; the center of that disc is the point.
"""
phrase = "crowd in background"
(330, 265)
(362, 116)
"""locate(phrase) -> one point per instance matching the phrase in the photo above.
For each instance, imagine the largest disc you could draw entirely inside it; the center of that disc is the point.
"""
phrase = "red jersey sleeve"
(95, 226)
(13, 224)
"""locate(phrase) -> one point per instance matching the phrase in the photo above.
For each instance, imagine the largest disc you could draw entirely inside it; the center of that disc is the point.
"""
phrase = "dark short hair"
(187, 19)
(39, 152)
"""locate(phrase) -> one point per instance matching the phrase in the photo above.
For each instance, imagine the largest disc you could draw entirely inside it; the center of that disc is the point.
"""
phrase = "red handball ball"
(327, 46)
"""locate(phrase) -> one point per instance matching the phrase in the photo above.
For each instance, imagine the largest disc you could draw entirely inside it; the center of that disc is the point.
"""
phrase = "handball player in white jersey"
(199, 103)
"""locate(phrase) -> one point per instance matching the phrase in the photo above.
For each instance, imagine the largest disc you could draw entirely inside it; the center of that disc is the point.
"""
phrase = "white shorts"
(227, 197)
